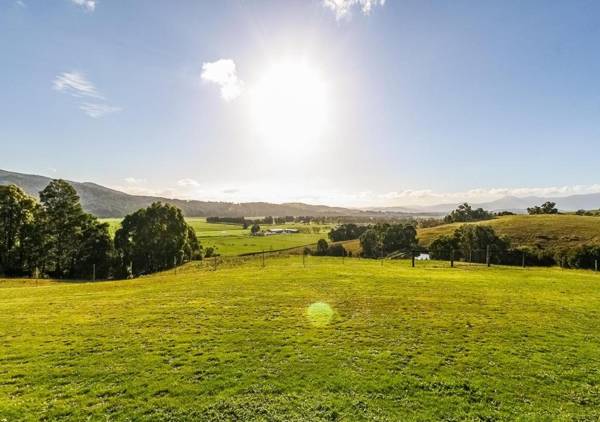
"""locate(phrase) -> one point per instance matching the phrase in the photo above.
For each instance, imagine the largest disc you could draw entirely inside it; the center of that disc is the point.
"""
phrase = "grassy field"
(232, 239)
(544, 231)
(335, 340)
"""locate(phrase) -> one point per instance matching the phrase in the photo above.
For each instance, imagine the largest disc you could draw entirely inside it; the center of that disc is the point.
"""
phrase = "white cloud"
(77, 85)
(97, 110)
(188, 183)
(223, 73)
(88, 5)
(343, 8)
(20, 3)
(134, 181)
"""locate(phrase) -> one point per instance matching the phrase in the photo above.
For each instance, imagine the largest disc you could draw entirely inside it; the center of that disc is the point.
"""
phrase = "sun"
(290, 106)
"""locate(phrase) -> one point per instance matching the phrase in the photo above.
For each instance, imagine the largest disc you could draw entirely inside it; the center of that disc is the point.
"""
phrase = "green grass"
(240, 343)
(232, 239)
(543, 231)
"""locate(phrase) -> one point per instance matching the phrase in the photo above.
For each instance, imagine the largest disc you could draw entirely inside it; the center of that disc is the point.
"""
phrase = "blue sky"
(400, 103)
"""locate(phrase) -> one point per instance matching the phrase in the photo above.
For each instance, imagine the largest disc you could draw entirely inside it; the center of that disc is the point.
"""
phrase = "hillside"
(332, 340)
(543, 231)
(105, 202)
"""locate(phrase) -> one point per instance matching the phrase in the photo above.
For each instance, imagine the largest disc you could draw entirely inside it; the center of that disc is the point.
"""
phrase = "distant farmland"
(232, 239)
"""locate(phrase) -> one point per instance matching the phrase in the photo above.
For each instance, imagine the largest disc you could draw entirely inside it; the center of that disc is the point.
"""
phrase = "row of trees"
(465, 213)
(348, 231)
(56, 237)
(546, 208)
(471, 242)
(382, 239)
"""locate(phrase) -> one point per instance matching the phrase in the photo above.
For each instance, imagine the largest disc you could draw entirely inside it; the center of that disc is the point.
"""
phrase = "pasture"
(543, 231)
(232, 239)
(333, 340)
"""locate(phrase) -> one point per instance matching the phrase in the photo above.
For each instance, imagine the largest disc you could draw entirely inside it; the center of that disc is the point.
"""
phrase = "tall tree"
(17, 212)
(370, 244)
(95, 250)
(155, 238)
(64, 217)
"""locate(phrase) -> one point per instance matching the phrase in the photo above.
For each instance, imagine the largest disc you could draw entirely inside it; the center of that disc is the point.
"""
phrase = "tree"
(346, 232)
(64, 218)
(546, 208)
(255, 229)
(584, 257)
(465, 213)
(75, 240)
(95, 250)
(398, 237)
(322, 247)
(337, 250)
(474, 239)
(155, 238)
(445, 247)
(370, 244)
(17, 214)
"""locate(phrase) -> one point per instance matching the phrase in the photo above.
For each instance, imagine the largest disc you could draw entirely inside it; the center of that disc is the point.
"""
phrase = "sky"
(340, 102)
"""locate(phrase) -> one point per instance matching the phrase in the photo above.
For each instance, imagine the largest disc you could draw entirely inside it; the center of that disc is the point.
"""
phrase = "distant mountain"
(105, 202)
(514, 204)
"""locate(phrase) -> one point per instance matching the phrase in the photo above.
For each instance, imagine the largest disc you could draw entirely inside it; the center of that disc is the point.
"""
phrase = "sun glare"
(290, 106)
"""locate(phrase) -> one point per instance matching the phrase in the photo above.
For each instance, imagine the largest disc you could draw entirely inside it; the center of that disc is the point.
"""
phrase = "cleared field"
(232, 239)
(244, 343)
(544, 231)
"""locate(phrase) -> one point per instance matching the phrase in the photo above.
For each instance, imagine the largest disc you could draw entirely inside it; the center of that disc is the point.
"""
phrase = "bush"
(337, 250)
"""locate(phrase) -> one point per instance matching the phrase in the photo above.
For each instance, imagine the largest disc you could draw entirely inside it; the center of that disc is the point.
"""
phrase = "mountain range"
(105, 202)
(510, 203)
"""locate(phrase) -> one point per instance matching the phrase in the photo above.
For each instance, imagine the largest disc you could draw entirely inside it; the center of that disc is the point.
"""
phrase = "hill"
(335, 340)
(105, 202)
(542, 231)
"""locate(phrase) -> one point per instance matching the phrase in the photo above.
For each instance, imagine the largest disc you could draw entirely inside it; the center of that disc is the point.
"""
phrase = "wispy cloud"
(97, 110)
(88, 5)
(77, 85)
(20, 3)
(187, 183)
(134, 181)
(343, 8)
(223, 73)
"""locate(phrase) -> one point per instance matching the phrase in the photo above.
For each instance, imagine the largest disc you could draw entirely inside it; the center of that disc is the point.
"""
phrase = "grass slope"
(238, 344)
(543, 231)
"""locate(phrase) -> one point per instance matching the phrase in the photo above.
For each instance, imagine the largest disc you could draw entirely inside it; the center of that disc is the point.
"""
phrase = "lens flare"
(319, 314)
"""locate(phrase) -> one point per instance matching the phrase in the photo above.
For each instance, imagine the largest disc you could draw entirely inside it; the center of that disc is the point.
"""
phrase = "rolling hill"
(105, 202)
(541, 231)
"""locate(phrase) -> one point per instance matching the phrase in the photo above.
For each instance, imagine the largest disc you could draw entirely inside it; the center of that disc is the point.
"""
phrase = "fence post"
(93, 272)
(175, 264)
(452, 258)
(523, 260)
(487, 255)
(263, 258)
(596, 265)
(413, 259)
(215, 262)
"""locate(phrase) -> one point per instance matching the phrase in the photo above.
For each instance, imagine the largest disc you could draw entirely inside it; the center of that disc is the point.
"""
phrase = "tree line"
(54, 237)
